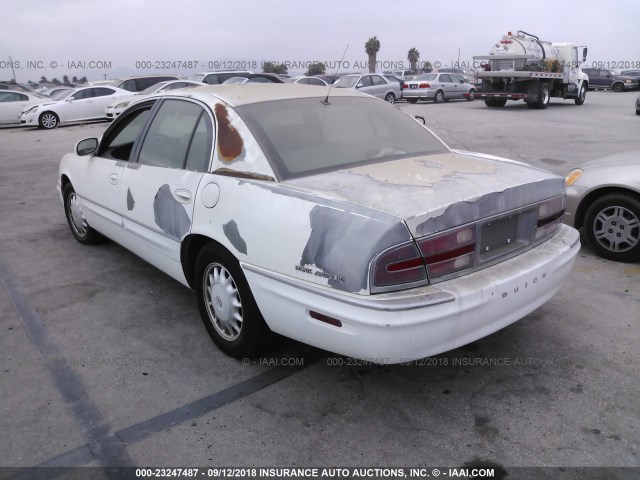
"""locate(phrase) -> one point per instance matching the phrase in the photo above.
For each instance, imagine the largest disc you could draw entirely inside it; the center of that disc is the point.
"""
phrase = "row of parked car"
(105, 100)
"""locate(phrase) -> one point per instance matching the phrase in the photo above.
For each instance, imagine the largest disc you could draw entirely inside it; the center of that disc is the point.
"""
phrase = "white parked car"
(304, 80)
(341, 222)
(372, 84)
(439, 87)
(78, 105)
(116, 108)
(13, 102)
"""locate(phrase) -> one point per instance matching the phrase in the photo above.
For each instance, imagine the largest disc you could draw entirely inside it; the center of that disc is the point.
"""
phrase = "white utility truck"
(522, 67)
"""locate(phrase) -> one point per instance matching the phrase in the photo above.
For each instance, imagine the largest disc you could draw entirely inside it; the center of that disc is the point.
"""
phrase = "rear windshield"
(304, 136)
(425, 76)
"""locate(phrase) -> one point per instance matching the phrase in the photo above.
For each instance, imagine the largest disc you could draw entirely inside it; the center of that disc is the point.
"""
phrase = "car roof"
(236, 95)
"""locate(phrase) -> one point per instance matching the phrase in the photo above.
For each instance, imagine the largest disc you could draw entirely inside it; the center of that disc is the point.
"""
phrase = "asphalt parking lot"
(104, 360)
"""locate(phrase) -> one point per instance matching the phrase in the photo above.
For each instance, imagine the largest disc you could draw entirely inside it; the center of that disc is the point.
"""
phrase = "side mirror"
(584, 54)
(360, 85)
(70, 99)
(87, 146)
(420, 119)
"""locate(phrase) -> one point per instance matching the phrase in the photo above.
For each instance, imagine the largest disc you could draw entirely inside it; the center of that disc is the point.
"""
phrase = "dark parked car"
(631, 73)
(607, 79)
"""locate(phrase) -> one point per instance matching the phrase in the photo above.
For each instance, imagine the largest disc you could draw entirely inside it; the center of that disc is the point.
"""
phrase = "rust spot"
(229, 140)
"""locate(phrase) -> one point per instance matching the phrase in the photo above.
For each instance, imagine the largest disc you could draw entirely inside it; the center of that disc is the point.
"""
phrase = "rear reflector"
(325, 318)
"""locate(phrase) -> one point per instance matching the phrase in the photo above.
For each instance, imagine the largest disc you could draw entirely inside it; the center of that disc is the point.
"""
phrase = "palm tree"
(413, 56)
(372, 47)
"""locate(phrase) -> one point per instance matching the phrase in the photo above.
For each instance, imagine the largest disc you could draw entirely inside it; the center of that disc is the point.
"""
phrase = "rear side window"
(178, 137)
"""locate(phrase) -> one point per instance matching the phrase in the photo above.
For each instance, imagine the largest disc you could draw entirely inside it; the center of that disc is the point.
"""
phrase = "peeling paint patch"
(230, 144)
(170, 215)
(342, 245)
(422, 171)
(130, 201)
(232, 233)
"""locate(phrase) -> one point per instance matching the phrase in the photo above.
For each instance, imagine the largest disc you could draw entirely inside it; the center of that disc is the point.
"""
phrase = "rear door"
(159, 189)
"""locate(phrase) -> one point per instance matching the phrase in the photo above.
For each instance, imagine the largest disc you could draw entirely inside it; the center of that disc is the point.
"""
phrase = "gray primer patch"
(461, 213)
(231, 231)
(343, 244)
(130, 201)
(170, 215)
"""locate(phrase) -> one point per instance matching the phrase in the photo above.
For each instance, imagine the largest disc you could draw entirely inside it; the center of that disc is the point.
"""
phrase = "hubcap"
(49, 121)
(545, 96)
(617, 229)
(76, 216)
(223, 302)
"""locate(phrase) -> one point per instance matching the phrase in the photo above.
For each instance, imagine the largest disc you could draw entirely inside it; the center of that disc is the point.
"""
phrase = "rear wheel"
(495, 102)
(48, 120)
(612, 227)
(75, 218)
(390, 97)
(227, 307)
(438, 97)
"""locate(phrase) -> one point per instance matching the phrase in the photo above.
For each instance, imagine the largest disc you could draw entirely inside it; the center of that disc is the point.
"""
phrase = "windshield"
(304, 136)
(347, 82)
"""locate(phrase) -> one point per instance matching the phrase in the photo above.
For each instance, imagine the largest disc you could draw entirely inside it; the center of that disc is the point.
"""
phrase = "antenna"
(326, 99)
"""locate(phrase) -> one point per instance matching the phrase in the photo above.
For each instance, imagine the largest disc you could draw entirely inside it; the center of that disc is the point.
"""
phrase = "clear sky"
(98, 38)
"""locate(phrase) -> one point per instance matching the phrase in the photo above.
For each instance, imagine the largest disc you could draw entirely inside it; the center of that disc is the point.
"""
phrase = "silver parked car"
(438, 87)
(603, 197)
(373, 84)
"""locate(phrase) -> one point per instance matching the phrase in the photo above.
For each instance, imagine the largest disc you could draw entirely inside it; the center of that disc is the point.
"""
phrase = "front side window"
(118, 142)
(175, 129)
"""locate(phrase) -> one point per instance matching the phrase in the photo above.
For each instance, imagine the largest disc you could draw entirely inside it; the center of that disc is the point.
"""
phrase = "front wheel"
(612, 227)
(439, 97)
(75, 218)
(581, 96)
(227, 307)
(390, 97)
(617, 87)
(471, 95)
(48, 120)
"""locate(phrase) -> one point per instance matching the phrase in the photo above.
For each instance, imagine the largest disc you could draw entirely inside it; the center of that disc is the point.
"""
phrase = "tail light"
(449, 252)
(401, 264)
(405, 85)
(549, 215)
(424, 85)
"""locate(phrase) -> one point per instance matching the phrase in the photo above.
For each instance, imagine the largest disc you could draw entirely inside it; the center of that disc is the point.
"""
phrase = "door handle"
(113, 179)
(182, 195)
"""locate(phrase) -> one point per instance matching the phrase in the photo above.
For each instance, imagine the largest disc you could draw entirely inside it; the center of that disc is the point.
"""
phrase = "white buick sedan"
(78, 105)
(340, 222)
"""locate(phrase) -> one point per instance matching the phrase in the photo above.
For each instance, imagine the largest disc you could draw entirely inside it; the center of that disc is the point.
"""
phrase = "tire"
(617, 87)
(227, 307)
(390, 97)
(544, 96)
(438, 97)
(80, 229)
(48, 120)
(495, 102)
(412, 100)
(472, 95)
(612, 227)
(581, 96)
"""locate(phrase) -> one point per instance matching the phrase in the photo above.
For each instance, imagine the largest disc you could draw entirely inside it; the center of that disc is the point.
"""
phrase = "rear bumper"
(404, 326)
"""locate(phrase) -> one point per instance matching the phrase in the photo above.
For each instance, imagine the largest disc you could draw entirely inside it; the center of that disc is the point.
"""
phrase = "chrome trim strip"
(384, 303)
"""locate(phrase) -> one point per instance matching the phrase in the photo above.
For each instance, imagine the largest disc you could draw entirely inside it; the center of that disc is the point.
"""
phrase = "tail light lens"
(549, 216)
(402, 264)
(405, 85)
(424, 85)
(449, 252)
